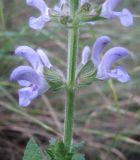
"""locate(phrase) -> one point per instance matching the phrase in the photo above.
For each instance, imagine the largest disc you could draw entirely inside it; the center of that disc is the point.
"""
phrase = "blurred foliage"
(107, 114)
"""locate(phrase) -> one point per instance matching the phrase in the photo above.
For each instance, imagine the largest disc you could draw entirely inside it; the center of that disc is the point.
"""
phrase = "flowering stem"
(73, 36)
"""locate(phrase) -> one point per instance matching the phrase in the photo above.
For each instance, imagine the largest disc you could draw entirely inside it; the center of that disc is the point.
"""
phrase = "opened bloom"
(30, 78)
(125, 16)
(39, 23)
(104, 65)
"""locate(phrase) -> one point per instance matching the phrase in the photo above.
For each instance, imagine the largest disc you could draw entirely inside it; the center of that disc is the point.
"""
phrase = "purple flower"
(111, 56)
(125, 16)
(30, 78)
(104, 71)
(38, 23)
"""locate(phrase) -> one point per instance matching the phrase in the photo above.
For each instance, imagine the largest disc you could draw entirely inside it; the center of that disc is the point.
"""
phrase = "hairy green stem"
(69, 108)
(74, 4)
(73, 36)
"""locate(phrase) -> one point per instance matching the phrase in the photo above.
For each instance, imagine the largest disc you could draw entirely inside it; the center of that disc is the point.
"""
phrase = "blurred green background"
(107, 114)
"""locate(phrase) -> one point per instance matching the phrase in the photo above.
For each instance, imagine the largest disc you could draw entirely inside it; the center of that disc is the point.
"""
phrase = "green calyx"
(55, 78)
(86, 74)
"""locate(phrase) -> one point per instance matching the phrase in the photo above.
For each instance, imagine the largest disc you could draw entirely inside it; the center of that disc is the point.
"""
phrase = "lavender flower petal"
(39, 4)
(38, 23)
(110, 5)
(120, 74)
(45, 60)
(85, 55)
(34, 83)
(25, 73)
(110, 57)
(30, 55)
(24, 83)
(26, 95)
(97, 48)
(57, 8)
(126, 17)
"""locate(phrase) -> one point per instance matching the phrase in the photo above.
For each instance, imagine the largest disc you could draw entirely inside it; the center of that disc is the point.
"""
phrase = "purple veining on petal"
(45, 60)
(110, 57)
(85, 55)
(30, 55)
(98, 47)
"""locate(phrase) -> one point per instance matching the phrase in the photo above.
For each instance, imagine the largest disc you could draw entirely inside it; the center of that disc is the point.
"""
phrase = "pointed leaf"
(32, 151)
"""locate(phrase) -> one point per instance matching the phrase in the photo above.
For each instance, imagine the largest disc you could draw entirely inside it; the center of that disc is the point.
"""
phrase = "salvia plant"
(41, 75)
